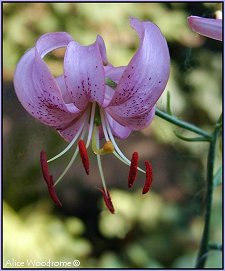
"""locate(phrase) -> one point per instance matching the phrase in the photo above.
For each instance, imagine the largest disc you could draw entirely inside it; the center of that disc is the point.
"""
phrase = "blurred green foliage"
(159, 230)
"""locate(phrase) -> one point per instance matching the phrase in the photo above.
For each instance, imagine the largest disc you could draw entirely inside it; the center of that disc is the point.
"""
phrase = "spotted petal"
(133, 123)
(37, 89)
(211, 28)
(144, 79)
(84, 73)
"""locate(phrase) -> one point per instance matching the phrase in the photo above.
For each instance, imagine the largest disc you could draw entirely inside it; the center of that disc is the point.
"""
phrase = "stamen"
(107, 200)
(133, 170)
(104, 125)
(91, 124)
(52, 192)
(118, 153)
(71, 161)
(96, 137)
(70, 144)
(84, 155)
(149, 178)
(44, 167)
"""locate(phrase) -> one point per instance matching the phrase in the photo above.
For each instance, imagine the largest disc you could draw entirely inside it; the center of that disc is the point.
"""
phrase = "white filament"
(71, 161)
(118, 153)
(99, 161)
(91, 124)
(70, 144)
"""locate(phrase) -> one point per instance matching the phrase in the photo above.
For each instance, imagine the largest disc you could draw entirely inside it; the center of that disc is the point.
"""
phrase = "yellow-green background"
(159, 230)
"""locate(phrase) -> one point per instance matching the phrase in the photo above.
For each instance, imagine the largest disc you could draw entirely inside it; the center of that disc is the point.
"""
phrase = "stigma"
(89, 134)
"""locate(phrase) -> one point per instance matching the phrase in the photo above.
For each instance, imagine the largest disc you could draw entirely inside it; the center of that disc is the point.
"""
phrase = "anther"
(107, 200)
(84, 155)
(108, 147)
(44, 167)
(149, 179)
(133, 170)
(52, 192)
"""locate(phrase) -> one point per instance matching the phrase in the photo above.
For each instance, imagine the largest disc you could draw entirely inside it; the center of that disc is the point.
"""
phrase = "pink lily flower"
(82, 106)
(211, 28)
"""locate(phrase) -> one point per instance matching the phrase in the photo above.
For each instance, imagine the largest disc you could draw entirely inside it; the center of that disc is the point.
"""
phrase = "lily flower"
(211, 28)
(93, 101)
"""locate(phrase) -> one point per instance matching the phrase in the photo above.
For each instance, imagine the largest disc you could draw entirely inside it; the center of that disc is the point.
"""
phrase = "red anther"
(149, 179)
(44, 167)
(133, 170)
(107, 200)
(49, 179)
(52, 192)
(84, 155)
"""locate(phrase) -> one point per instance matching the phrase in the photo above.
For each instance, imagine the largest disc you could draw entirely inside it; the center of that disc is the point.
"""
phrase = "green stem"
(215, 247)
(182, 124)
(204, 246)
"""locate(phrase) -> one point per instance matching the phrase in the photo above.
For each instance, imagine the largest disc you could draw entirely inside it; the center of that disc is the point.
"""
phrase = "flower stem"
(215, 247)
(182, 124)
(204, 246)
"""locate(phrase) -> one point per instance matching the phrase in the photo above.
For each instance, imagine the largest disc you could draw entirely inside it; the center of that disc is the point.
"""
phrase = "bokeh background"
(159, 230)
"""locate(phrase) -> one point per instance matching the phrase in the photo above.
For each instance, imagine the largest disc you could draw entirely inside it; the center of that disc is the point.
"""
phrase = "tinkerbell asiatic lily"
(93, 100)
(211, 28)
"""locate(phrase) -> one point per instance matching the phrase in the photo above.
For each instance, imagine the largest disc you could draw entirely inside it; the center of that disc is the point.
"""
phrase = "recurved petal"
(146, 76)
(133, 123)
(51, 41)
(37, 89)
(102, 49)
(84, 74)
(211, 28)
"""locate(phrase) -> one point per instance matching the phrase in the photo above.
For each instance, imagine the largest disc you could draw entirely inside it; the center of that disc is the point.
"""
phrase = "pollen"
(108, 147)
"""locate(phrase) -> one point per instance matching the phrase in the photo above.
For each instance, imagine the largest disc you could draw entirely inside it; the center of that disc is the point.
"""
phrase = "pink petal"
(68, 132)
(84, 74)
(145, 77)
(51, 41)
(117, 129)
(36, 88)
(102, 49)
(114, 73)
(134, 123)
(211, 28)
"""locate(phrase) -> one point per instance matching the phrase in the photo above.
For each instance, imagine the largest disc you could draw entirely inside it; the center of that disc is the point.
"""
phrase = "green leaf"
(217, 180)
